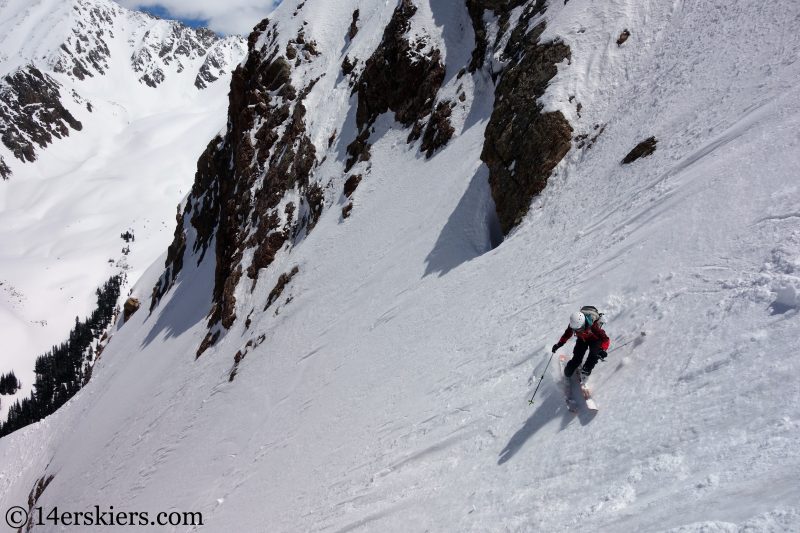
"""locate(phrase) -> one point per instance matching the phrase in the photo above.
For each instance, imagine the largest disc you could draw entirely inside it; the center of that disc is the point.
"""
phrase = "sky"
(230, 17)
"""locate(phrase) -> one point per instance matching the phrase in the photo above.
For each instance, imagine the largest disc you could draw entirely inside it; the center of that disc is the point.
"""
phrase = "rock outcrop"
(255, 194)
(403, 75)
(283, 281)
(31, 113)
(351, 184)
(130, 307)
(643, 149)
(353, 30)
(5, 172)
(523, 143)
(240, 198)
(501, 9)
(439, 130)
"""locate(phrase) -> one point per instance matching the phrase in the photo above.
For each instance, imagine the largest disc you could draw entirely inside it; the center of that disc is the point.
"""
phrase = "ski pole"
(627, 343)
(530, 402)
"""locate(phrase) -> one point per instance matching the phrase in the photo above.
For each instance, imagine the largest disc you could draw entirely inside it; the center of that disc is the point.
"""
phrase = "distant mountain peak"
(67, 43)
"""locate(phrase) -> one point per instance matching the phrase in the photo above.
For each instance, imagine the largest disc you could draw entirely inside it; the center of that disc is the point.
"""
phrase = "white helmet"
(577, 320)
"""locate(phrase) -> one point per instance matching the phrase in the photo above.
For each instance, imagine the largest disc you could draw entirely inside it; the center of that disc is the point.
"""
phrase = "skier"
(587, 325)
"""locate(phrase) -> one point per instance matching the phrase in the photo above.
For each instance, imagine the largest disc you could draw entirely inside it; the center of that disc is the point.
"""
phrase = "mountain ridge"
(82, 48)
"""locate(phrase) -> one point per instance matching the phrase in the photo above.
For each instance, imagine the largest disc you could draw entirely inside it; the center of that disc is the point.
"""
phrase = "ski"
(587, 394)
(572, 405)
(569, 388)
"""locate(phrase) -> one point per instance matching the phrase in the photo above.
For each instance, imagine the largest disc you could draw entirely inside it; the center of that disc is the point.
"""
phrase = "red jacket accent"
(594, 333)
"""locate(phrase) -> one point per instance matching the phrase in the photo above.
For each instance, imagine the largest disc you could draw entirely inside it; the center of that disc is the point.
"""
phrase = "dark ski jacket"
(593, 333)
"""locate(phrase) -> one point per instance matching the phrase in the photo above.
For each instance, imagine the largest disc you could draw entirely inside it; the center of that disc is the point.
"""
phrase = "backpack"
(592, 315)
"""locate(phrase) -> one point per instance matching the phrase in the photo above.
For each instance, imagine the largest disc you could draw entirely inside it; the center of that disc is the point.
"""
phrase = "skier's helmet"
(577, 320)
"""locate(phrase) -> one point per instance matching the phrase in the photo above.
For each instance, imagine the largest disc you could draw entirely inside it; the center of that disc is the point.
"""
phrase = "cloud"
(229, 17)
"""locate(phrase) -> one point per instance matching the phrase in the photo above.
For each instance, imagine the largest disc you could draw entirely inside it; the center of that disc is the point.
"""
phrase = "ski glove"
(602, 354)
(556, 346)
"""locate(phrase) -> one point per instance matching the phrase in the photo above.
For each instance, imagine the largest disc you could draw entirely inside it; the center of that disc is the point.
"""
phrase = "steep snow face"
(103, 113)
(383, 385)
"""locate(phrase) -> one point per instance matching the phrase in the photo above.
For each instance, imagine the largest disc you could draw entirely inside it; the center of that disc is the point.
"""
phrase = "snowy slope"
(387, 388)
(131, 163)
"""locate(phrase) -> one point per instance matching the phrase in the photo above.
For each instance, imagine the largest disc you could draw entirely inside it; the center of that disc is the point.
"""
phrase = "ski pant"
(578, 353)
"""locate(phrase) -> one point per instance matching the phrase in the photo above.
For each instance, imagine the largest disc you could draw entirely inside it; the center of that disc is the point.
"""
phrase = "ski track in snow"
(390, 393)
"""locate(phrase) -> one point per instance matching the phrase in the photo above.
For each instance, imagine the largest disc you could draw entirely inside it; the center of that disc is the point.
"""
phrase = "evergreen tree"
(9, 384)
(61, 372)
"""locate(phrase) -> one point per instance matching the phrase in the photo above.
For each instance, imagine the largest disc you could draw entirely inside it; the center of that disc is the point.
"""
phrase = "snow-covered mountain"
(378, 252)
(84, 39)
(103, 113)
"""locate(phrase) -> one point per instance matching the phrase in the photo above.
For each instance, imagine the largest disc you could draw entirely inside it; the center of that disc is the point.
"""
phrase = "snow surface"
(388, 390)
(131, 165)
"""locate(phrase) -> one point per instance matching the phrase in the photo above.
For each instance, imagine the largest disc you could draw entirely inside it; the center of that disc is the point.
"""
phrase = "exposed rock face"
(87, 50)
(476, 9)
(213, 68)
(33, 498)
(183, 46)
(244, 203)
(301, 49)
(348, 67)
(131, 306)
(502, 10)
(283, 281)
(643, 149)
(31, 113)
(209, 72)
(439, 130)
(239, 199)
(398, 77)
(623, 37)
(402, 76)
(252, 344)
(351, 184)
(351, 33)
(5, 172)
(584, 140)
(523, 144)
